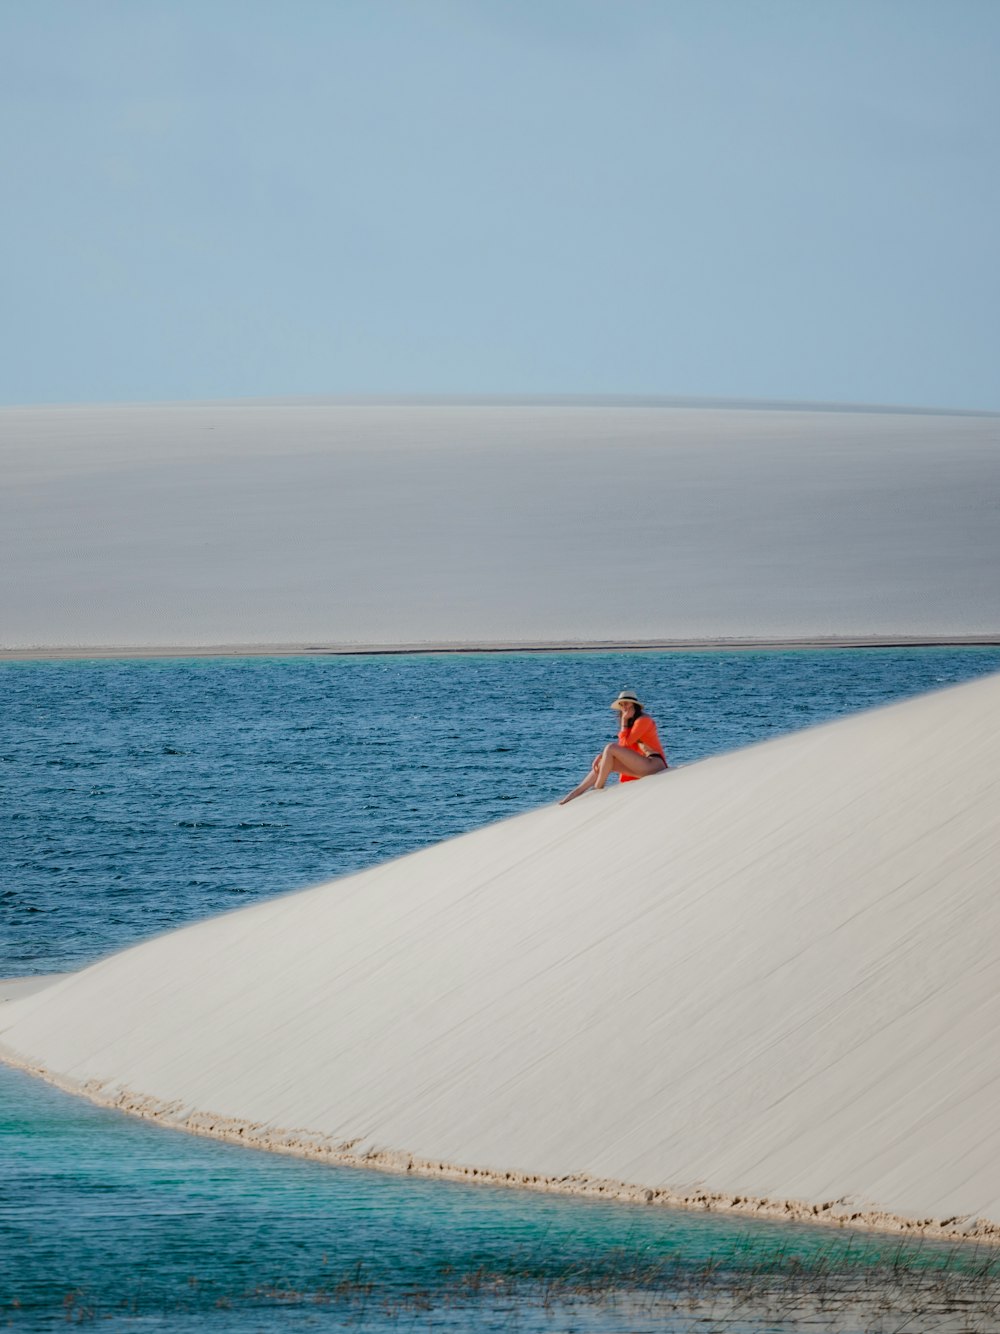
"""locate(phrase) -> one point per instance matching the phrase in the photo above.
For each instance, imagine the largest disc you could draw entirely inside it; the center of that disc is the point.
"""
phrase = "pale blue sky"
(750, 198)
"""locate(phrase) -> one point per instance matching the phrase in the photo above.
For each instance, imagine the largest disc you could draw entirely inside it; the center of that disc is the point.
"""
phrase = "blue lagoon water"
(139, 796)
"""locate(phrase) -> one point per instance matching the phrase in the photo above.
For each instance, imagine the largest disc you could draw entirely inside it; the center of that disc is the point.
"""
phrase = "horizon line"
(681, 401)
(87, 652)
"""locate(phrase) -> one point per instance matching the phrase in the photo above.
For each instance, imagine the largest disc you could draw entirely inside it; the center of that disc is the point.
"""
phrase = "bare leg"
(583, 787)
(622, 760)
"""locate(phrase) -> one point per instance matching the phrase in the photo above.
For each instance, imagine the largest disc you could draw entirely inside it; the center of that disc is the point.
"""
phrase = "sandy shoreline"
(325, 1149)
(86, 653)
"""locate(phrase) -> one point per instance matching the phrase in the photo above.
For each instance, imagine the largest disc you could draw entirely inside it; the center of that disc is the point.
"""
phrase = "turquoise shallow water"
(138, 796)
(105, 1216)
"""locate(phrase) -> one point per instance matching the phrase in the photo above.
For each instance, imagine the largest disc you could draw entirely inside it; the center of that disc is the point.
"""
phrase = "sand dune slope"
(770, 976)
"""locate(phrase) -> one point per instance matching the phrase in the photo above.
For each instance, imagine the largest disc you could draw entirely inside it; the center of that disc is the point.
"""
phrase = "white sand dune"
(766, 981)
(320, 523)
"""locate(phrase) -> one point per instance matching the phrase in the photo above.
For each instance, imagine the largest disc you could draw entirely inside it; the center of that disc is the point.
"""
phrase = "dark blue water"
(140, 795)
(136, 796)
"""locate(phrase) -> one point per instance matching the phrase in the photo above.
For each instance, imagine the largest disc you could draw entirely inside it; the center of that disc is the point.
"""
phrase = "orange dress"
(644, 730)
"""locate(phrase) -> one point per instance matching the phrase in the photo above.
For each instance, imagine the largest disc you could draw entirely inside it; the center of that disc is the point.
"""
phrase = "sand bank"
(13, 988)
(767, 981)
(388, 524)
(112, 651)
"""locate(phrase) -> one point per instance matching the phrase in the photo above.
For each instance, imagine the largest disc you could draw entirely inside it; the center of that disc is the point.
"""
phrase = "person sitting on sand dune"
(637, 754)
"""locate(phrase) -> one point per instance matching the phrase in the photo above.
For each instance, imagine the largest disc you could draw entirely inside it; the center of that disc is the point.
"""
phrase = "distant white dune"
(380, 523)
(767, 981)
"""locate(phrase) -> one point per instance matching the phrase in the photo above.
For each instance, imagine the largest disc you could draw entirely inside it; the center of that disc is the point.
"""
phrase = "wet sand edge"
(839, 1213)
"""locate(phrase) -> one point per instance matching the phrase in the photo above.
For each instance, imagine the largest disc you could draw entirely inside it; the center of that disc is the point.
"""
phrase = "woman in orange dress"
(637, 754)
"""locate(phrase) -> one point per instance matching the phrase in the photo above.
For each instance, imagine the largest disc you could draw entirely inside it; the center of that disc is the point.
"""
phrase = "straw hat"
(626, 697)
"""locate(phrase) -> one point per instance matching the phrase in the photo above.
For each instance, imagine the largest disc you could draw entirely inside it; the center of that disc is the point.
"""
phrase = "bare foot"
(570, 795)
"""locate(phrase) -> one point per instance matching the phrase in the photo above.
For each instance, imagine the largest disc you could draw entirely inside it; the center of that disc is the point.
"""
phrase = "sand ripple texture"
(765, 981)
